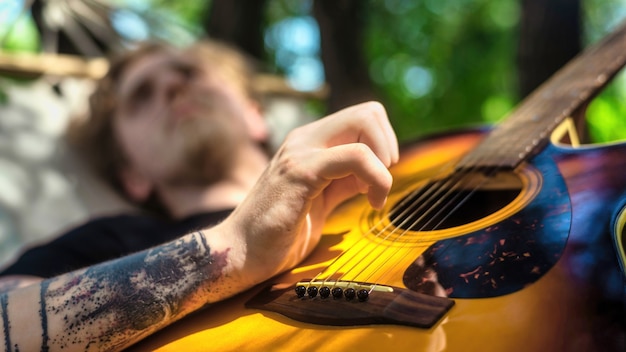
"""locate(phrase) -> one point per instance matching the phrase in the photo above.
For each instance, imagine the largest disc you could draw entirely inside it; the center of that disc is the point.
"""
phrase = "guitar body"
(535, 269)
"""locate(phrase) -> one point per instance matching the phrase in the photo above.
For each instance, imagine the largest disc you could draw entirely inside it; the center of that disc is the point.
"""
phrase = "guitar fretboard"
(527, 130)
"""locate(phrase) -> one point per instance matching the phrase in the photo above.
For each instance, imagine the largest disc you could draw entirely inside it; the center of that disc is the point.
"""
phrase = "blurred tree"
(342, 24)
(550, 36)
(443, 64)
(240, 22)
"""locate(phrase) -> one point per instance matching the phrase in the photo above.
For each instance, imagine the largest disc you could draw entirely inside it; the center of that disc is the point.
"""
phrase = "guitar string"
(382, 276)
(437, 196)
(438, 187)
(544, 132)
(363, 238)
(407, 210)
(450, 190)
(450, 202)
(455, 206)
(450, 195)
(399, 227)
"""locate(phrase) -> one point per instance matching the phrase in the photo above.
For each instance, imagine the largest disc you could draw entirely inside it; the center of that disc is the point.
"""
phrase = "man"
(169, 109)
(177, 132)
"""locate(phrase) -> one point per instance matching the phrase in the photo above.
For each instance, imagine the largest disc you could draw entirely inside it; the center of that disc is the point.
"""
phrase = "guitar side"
(577, 304)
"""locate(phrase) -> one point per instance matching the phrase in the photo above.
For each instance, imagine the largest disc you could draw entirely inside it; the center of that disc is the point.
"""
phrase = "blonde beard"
(208, 150)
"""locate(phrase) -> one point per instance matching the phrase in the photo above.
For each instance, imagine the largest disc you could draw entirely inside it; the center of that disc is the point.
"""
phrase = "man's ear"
(137, 186)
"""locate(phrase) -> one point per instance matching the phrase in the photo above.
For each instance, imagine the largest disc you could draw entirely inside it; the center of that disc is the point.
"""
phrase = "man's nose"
(173, 84)
(176, 80)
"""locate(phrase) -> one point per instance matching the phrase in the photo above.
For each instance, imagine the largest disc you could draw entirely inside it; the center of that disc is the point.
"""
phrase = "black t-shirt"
(103, 239)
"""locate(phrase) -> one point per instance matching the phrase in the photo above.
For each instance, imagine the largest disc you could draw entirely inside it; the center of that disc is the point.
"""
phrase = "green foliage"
(190, 13)
(443, 63)
(606, 115)
(19, 35)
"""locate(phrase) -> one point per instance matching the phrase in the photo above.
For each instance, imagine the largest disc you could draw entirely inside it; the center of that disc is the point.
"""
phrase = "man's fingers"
(389, 134)
(365, 123)
(358, 160)
(375, 130)
(368, 123)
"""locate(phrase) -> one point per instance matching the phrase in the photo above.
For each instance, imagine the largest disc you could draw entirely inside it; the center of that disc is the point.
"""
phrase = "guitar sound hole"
(435, 207)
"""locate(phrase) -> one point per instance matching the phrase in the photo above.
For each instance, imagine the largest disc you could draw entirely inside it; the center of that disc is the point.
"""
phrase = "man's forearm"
(114, 304)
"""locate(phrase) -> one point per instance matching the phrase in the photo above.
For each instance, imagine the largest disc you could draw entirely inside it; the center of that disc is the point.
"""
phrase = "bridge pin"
(312, 291)
(350, 293)
(324, 292)
(300, 291)
(362, 294)
(337, 292)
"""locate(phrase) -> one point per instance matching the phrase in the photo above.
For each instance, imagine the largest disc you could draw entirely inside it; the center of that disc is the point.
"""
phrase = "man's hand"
(318, 166)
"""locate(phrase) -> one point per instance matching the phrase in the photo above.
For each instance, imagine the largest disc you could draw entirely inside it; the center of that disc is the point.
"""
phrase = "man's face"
(178, 122)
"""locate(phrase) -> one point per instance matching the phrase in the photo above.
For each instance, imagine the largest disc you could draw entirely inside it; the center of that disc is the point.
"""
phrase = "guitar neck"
(527, 130)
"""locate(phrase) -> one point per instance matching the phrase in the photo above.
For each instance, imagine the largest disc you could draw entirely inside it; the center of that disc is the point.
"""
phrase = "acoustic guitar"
(500, 239)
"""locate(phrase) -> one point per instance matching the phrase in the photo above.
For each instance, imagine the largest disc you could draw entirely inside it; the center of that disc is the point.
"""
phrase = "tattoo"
(44, 316)
(4, 304)
(134, 294)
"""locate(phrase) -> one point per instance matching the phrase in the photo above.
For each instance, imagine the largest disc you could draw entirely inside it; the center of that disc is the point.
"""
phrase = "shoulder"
(105, 238)
(92, 242)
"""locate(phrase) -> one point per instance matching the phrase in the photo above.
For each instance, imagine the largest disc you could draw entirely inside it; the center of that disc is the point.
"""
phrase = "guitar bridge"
(338, 289)
(385, 305)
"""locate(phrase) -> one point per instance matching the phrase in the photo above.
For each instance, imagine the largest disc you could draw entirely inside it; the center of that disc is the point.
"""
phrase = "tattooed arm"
(112, 305)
